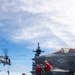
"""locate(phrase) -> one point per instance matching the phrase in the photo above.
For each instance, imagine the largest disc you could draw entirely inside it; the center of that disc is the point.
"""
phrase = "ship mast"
(38, 51)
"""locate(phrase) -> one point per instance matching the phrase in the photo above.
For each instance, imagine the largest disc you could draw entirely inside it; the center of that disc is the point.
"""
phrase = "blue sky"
(23, 23)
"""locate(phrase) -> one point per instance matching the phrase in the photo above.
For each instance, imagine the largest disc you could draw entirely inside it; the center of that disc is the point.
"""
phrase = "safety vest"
(38, 69)
(48, 66)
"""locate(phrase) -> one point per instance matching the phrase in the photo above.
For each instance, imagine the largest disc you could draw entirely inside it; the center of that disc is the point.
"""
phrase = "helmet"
(37, 65)
(45, 61)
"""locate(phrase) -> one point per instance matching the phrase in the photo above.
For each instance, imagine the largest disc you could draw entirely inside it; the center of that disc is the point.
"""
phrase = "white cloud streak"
(49, 21)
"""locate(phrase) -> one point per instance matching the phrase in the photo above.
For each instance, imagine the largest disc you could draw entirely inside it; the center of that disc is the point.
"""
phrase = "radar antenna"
(38, 51)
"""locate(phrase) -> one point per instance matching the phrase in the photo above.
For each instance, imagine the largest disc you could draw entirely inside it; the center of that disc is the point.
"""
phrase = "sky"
(24, 23)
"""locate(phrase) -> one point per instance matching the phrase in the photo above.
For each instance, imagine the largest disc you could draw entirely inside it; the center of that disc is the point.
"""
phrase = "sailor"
(38, 70)
(47, 68)
(23, 74)
(8, 72)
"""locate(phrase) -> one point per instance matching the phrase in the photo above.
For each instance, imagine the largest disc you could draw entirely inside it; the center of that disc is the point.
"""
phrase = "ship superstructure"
(38, 51)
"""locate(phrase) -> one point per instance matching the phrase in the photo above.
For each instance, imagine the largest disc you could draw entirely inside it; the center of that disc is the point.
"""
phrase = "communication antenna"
(38, 51)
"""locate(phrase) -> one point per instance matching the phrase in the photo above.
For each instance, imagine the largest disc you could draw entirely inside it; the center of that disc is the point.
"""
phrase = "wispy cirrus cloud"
(49, 21)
